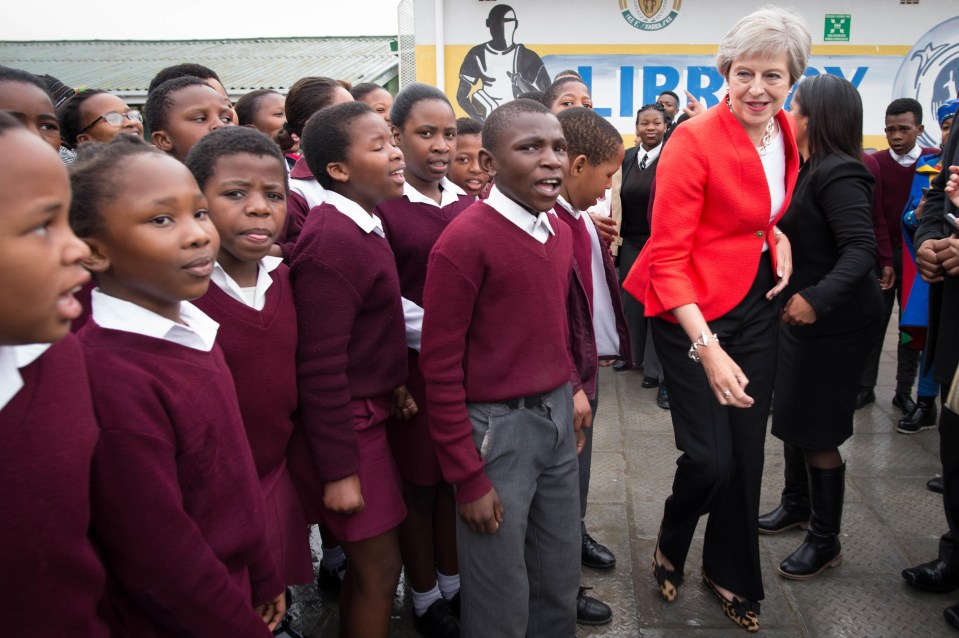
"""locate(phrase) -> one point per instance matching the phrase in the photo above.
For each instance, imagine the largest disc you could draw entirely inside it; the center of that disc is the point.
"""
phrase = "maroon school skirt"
(410, 440)
(286, 531)
(379, 478)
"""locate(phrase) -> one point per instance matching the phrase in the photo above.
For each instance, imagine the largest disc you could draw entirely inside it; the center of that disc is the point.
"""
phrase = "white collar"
(227, 284)
(650, 154)
(368, 222)
(12, 360)
(537, 226)
(199, 331)
(909, 158)
(569, 207)
(449, 194)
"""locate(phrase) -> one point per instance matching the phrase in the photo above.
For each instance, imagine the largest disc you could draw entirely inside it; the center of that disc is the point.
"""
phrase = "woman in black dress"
(832, 313)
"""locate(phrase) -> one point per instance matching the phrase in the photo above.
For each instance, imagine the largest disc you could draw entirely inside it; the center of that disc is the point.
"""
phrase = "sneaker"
(438, 621)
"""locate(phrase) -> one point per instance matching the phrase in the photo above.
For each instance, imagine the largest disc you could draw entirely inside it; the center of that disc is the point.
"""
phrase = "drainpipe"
(438, 20)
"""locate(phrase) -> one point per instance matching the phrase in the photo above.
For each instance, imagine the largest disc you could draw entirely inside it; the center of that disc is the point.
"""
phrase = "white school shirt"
(537, 227)
(909, 158)
(12, 360)
(774, 165)
(649, 155)
(604, 317)
(198, 331)
(254, 297)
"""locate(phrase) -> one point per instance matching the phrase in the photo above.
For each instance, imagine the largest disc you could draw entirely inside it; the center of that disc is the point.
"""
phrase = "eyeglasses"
(115, 119)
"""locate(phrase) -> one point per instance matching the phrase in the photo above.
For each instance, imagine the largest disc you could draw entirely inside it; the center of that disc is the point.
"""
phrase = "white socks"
(449, 585)
(333, 559)
(423, 600)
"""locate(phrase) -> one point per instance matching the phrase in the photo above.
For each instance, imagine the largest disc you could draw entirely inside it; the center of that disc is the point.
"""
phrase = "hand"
(484, 515)
(605, 226)
(888, 279)
(404, 407)
(928, 262)
(948, 255)
(582, 418)
(784, 264)
(693, 106)
(952, 186)
(272, 612)
(725, 375)
(798, 312)
(344, 496)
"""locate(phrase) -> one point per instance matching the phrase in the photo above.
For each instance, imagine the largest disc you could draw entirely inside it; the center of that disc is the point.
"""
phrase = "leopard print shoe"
(744, 613)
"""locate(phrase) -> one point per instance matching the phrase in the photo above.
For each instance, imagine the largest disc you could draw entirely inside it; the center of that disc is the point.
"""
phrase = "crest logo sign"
(650, 15)
(930, 72)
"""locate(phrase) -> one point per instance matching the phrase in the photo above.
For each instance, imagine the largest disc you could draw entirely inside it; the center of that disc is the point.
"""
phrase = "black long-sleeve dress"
(829, 224)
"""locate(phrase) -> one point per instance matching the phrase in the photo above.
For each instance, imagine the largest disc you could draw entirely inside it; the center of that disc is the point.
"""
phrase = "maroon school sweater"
(582, 247)
(352, 339)
(896, 181)
(260, 348)
(412, 229)
(495, 327)
(50, 577)
(177, 507)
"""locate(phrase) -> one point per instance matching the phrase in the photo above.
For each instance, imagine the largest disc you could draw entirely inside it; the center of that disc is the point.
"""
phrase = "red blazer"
(710, 217)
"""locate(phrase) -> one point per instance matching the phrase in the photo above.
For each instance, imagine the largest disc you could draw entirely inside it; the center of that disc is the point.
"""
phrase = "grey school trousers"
(523, 580)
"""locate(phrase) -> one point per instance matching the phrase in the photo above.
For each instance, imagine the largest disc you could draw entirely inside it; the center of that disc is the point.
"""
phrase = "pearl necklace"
(770, 129)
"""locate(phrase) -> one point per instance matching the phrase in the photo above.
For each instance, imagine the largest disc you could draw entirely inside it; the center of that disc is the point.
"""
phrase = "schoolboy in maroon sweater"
(596, 308)
(50, 577)
(243, 176)
(497, 367)
(897, 166)
(176, 506)
(182, 110)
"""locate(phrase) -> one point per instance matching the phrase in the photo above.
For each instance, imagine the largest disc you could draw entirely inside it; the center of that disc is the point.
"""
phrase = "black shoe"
(821, 549)
(438, 621)
(790, 513)
(936, 576)
(590, 611)
(330, 581)
(662, 399)
(934, 485)
(866, 395)
(951, 614)
(904, 402)
(621, 366)
(454, 604)
(597, 555)
(283, 630)
(649, 382)
(922, 417)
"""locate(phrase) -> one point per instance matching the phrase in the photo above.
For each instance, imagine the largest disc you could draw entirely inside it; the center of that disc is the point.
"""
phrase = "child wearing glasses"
(93, 115)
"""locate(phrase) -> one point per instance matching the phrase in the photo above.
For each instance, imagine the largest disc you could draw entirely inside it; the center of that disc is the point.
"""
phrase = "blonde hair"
(767, 32)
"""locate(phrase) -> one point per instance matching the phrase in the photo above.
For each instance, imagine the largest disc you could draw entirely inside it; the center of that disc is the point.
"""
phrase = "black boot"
(821, 549)
(793, 509)
(922, 417)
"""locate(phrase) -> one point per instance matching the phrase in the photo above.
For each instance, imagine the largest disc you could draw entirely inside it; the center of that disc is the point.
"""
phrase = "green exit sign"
(837, 27)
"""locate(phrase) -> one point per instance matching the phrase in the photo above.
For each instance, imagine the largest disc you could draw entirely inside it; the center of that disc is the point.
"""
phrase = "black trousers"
(719, 472)
(635, 319)
(907, 360)
(949, 455)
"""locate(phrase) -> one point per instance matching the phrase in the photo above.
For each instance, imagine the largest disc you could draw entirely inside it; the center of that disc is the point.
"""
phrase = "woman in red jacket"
(708, 277)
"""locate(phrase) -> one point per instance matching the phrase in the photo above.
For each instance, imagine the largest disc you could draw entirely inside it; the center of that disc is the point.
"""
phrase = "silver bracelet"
(703, 341)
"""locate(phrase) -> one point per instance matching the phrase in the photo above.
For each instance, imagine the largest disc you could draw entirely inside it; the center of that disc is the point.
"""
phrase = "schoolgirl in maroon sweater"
(424, 127)
(46, 416)
(351, 358)
(177, 510)
(243, 176)
(306, 97)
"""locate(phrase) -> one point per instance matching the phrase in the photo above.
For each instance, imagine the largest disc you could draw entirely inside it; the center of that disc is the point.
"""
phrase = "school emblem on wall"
(650, 15)
(930, 73)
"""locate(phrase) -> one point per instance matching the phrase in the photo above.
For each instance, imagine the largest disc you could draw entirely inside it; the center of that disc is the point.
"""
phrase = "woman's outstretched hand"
(784, 265)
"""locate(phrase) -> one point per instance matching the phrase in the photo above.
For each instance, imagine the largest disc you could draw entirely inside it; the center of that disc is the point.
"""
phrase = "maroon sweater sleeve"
(883, 243)
(296, 211)
(449, 297)
(327, 306)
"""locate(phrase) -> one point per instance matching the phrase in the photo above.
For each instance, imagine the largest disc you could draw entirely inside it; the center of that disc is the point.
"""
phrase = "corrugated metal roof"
(126, 67)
